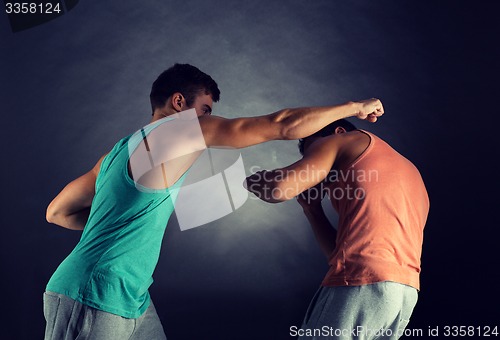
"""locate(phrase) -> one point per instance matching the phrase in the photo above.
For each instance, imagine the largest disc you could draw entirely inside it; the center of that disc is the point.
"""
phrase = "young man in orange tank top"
(374, 253)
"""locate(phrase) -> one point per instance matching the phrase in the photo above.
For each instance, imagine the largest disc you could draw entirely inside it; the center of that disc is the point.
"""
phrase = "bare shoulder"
(214, 123)
(350, 139)
(97, 167)
(352, 145)
(342, 147)
(238, 132)
(358, 139)
(326, 144)
(211, 121)
(211, 124)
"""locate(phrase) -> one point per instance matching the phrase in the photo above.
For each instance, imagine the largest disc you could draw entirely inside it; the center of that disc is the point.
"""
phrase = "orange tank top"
(382, 205)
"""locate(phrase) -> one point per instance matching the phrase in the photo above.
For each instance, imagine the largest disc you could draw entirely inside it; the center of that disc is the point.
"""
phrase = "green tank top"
(111, 267)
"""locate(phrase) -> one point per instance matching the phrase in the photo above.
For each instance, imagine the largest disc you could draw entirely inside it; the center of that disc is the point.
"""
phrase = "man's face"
(203, 104)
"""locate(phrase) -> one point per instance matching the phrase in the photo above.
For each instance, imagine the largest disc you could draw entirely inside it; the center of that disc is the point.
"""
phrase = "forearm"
(301, 122)
(73, 221)
(271, 186)
(323, 230)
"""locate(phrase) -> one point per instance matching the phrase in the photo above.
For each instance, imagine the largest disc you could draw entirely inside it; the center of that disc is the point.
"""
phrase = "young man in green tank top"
(100, 291)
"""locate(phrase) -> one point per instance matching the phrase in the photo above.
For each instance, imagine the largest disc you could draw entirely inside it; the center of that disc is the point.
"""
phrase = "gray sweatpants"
(68, 319)
(376, 311)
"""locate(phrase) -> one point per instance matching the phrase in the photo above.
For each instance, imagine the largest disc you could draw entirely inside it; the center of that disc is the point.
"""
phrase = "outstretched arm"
(71, 207)
(285, 124)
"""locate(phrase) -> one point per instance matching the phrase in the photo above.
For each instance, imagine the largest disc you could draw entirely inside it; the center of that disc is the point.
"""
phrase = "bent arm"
(286, 183)
(71, 207)
(284, 124)
(323, 230)
(304, 180)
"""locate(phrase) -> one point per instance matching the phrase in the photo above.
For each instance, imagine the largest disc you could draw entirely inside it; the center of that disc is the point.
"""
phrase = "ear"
(340, 129)
(178, 101)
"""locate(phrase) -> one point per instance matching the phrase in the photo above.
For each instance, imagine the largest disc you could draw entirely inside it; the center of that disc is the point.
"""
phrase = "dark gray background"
(72, 87)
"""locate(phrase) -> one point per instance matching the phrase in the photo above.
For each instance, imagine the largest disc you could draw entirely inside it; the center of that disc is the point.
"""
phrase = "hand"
(254, 183)
(370, 109)
(261, 184)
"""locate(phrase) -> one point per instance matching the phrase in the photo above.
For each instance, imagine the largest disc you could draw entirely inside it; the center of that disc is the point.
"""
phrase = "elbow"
(57, 219)
(51, 214)
(288, 133)
(285, 126)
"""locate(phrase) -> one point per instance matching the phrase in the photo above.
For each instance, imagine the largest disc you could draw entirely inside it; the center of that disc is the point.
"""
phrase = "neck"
(162, 113)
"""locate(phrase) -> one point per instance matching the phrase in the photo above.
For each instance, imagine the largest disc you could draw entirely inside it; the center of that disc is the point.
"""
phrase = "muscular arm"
(305, 180)
(284, 124)
(286, 183)
(71, 207)
(277, 187)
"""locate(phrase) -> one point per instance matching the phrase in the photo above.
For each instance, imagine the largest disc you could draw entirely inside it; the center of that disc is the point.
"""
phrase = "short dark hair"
(327, 131)
(183, 78)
